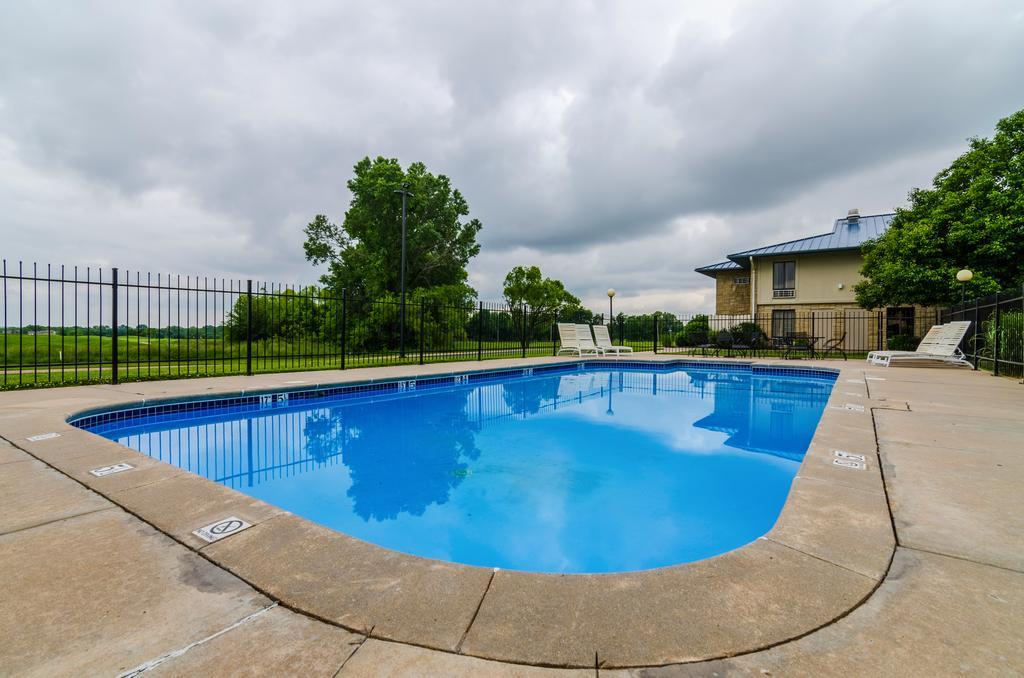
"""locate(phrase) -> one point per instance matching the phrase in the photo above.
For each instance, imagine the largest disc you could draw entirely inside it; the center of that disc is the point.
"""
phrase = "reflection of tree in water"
(407, 453)
(325, 434)
(528, 395)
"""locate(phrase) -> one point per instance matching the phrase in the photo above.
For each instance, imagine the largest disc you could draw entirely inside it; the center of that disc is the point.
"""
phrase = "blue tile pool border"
(101, 419)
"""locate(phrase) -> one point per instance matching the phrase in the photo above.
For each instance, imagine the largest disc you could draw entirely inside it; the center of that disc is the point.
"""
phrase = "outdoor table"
(797, 342)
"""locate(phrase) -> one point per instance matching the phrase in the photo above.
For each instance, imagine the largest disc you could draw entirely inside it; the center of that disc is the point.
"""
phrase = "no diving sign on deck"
(220, 529)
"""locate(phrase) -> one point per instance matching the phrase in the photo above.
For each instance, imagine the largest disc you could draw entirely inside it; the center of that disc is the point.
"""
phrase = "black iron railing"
(995, 340)
(83, 324)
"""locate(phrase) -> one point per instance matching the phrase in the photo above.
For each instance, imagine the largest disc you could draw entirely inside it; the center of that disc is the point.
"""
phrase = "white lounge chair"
(930, 339)
(941, 346)
(585, 340)
(570, 342)
(603, 341)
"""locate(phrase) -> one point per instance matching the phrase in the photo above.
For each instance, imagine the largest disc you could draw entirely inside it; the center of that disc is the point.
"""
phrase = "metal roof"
(845, 235)
(711, 270)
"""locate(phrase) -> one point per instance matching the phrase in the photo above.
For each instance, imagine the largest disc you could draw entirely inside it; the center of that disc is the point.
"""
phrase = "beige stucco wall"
(817, 279)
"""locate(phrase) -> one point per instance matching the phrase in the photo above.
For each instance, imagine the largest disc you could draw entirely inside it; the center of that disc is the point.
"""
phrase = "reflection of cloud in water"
(591, 471)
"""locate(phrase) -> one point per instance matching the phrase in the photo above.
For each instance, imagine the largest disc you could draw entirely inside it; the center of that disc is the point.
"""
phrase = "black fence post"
(422, 337)
(622, 328)
(480, 332)
(655, 332)
(113, 324)
(879, 328)
(344, 324)
(526, 339)
(248, 328)
(974, 340)
(995, 347)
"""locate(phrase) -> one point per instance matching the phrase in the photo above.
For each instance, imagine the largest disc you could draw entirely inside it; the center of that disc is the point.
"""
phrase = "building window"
(784, 275)
(899, 321)
(783, 323)
(741, 280)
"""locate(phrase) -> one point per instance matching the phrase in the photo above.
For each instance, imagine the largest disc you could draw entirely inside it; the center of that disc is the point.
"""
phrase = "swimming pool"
(579, 467)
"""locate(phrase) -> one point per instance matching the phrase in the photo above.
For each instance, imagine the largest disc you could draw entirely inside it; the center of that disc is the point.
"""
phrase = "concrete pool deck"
(914, 565)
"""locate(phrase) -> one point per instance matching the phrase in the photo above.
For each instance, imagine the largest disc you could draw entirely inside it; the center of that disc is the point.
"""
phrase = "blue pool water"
(587, 470)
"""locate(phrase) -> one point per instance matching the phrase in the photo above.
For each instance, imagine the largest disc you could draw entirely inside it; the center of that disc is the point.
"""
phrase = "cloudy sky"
(612, 143)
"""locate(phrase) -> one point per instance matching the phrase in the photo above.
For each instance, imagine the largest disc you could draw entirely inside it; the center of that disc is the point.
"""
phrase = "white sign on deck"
(43, 436)
(841, 454)
(111, 470)
(220, 529)
(846, 463)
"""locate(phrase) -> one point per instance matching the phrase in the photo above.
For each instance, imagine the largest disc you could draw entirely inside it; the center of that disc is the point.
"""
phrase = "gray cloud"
(615, 144)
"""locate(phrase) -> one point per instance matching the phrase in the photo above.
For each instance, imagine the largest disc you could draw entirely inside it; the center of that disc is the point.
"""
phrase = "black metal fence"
(82, 324)
(788, 332)
(996, 339)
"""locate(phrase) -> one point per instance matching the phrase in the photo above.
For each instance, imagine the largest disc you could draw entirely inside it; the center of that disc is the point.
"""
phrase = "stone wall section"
(732, 298)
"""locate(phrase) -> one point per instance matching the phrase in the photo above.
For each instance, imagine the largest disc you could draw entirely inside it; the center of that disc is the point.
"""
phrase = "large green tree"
(535, 301)
(972, 217)
(364, 251)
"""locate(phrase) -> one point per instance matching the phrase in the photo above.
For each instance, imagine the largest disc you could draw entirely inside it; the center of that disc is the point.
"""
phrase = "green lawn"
(51, 360)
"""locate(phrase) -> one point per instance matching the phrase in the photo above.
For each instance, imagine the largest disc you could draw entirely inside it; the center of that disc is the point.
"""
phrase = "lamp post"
(401, 341)
(611, 316)
(964, 276)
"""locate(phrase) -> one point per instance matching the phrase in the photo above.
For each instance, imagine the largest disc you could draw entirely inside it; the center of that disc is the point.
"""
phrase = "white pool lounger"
(940, 347)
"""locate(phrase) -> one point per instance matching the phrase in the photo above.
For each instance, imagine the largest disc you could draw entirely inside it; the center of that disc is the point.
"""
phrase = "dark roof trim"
(712, 269)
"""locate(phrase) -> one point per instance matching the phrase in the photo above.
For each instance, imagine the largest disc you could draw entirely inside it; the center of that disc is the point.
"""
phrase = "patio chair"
(834, 346)
(724, 341)
(759, 341)
(705, 345)
(585, 340)
(570, 343)
(745, 346)
(799, 342)
(941, 349)
(603, 340)
(928, 341)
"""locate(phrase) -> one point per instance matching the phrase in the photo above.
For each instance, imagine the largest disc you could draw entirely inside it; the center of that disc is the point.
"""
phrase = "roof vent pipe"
(853, 215)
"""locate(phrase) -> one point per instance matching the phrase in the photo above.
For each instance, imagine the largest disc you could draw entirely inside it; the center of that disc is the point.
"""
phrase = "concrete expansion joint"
(153, 663)
(476, 612)
(963, 559)
(824, 560)
(359, 646)
(62, 519)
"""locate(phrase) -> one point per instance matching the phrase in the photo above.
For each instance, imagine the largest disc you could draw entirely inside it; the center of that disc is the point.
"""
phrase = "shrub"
(902, 342)
(694, 332)
(1011, 341)
(745, 333)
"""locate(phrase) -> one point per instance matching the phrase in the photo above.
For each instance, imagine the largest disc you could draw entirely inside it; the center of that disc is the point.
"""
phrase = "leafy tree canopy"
(546, 299)
(972, 217)
(545, 296)
(365, 251)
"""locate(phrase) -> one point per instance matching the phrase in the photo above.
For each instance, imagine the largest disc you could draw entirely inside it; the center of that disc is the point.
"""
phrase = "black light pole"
(401, 342)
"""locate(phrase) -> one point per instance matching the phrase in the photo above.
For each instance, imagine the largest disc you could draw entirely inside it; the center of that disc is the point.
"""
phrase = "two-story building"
(807, 285)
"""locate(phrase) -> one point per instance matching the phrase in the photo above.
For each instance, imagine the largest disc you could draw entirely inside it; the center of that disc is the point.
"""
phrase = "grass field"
(48, 360)
(42, 360)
